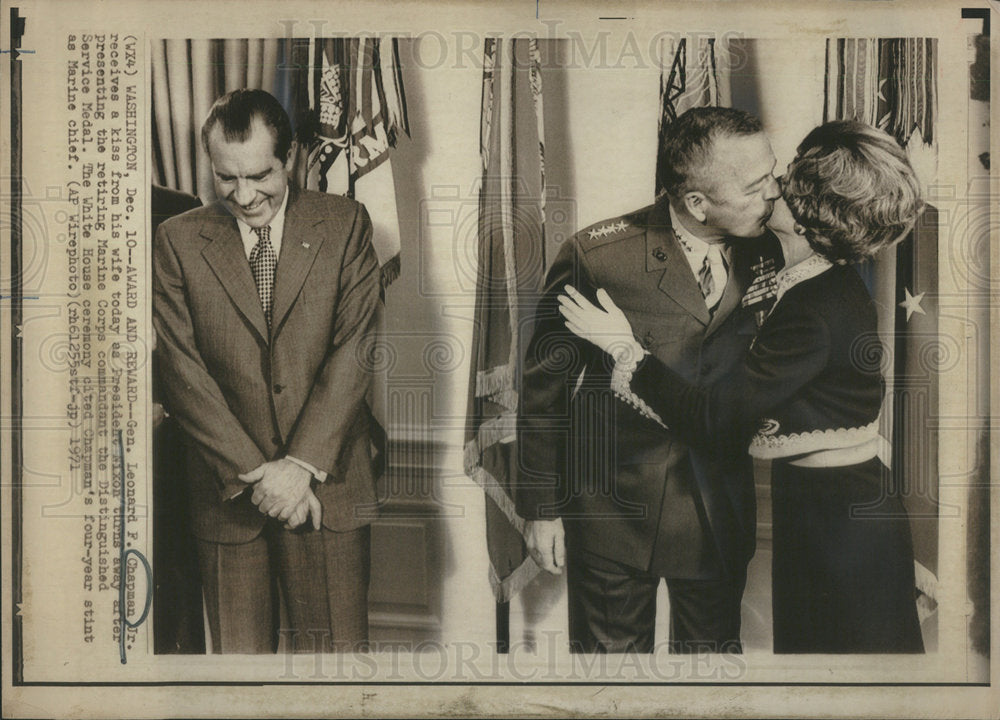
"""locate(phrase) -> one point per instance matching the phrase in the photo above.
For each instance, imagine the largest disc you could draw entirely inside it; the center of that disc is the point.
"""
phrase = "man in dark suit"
(606, 492)
(263, 308)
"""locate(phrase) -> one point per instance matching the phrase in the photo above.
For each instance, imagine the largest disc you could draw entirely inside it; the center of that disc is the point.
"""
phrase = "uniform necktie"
(705, 280)
(712, 276)
(263, 262)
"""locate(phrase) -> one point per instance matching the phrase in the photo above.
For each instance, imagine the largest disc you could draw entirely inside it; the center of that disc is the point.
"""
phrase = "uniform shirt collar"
(693, 246)
(277, 226)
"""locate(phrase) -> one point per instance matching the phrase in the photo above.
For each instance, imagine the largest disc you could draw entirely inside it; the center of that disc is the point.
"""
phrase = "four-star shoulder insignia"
(608, 229)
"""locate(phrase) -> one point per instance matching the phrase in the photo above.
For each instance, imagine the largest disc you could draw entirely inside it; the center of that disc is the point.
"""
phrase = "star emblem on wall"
(912, 304)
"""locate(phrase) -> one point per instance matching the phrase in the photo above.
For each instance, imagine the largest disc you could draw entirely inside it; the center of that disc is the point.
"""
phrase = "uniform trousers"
(612, 608)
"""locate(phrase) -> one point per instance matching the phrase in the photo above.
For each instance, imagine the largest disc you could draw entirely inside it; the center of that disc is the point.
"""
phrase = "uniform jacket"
(592, 459)
(246, 395)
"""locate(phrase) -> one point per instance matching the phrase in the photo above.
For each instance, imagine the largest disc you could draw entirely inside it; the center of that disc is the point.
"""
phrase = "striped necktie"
(705, 280)
(713, 276)
(263, 263)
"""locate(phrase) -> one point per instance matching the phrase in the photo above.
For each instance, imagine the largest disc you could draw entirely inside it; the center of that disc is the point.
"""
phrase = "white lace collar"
(801, 271)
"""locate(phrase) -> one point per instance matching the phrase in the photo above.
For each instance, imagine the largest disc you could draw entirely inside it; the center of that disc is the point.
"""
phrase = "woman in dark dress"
(808, 398)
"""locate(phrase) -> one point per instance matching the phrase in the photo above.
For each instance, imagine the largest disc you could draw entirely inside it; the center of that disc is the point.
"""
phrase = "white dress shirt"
(277, 225)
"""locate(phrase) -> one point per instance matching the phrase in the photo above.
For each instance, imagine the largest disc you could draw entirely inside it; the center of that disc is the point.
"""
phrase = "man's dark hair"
(688, 140)
(234, 113)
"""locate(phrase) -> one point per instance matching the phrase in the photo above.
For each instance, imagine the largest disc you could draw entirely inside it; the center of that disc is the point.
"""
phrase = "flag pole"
(503, 627)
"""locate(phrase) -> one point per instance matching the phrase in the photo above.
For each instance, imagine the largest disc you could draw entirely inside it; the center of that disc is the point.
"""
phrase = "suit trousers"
(323, 576)
(612, 609)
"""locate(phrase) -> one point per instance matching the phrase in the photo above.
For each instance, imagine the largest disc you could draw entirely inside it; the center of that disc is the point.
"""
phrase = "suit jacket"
(246, 395)
(627, 490)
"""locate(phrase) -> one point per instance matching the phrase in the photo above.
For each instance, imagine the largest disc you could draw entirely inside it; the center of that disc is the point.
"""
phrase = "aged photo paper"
(480, 139)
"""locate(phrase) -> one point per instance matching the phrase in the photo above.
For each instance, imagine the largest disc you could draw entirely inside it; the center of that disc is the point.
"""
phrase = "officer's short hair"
(687, 142)
(235, 111)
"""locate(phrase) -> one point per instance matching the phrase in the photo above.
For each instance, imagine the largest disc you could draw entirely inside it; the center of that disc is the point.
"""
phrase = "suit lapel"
(663, 254)
(299, 245)
(225, 255)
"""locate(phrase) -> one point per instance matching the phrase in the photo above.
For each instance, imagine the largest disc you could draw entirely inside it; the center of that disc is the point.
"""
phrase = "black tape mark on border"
(16, 350)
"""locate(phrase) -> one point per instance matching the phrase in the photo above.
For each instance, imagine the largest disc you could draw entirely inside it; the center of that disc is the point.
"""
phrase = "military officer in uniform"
(608, 494)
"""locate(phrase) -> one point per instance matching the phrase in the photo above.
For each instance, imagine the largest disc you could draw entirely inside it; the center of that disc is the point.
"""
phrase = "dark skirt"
(843, 562)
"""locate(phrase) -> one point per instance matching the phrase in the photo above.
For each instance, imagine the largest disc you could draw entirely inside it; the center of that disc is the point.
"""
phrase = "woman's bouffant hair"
(853, 189)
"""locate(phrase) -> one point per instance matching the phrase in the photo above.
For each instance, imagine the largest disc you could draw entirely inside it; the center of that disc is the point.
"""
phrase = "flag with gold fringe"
(510, 271)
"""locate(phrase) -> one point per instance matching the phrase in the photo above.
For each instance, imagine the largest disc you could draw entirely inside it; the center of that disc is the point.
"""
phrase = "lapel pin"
(305, 245)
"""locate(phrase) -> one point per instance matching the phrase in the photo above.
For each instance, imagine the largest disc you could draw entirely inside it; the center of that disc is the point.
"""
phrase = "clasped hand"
(281, 490)
(605, 326)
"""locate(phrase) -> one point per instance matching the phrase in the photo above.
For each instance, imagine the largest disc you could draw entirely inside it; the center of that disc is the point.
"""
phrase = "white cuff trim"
(621, 382)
